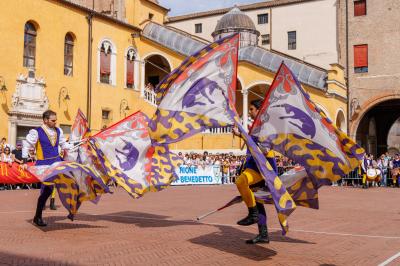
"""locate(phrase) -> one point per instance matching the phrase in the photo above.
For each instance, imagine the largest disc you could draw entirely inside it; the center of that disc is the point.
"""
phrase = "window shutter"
(361, 55)
(360, 8)
(129, 72)
(105, 62)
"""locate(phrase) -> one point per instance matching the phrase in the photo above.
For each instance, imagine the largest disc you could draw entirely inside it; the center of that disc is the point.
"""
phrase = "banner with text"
(197, 175)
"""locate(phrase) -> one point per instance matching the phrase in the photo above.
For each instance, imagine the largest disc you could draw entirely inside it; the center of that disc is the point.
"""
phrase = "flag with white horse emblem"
(128, 157)
(199, 94)
(290, 123)
(193, 97)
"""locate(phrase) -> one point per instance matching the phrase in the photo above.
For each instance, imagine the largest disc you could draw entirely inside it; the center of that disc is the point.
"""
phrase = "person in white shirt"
(46, 139)
(7, 156)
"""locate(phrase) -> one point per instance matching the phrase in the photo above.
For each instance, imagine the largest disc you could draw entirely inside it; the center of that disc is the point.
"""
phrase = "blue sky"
(179, 7)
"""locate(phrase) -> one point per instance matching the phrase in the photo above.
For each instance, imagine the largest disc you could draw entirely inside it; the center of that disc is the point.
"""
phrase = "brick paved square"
(352, 227)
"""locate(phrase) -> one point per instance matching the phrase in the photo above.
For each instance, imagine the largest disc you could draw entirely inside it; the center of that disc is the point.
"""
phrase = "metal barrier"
(351, 179)
(355, 179)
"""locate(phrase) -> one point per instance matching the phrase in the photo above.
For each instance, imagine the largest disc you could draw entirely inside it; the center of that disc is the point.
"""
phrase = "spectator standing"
(31, 155)
(7, 156)
(3, 143)
(383, 165)
(17, 152)
(396, 174)
(225, 171)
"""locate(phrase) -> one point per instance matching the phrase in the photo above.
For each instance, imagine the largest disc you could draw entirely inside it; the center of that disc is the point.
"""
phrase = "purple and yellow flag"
(290, 123)
(298, 185)
(199, 94)
(128, 157)
(75, 182)
(193, 96)
(76, 178)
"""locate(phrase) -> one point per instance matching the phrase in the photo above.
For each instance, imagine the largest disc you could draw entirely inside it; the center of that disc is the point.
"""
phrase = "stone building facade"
(372, 73)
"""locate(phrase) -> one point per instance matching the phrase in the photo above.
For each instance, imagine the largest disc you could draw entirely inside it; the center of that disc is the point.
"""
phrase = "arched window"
(130, 62)
(29, 45)
(68, 54)
(105, 62)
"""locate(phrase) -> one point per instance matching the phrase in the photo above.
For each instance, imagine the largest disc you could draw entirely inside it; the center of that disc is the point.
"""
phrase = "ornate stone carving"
(354, 107)
(30, 95)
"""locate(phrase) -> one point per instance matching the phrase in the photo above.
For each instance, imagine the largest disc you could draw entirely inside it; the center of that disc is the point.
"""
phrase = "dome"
(234, 20)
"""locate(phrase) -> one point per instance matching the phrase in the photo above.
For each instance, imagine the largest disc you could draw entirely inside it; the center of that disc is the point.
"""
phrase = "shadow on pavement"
(17, 259)
(54, 224)
(139, 219)
(227, 239)
(232, 240)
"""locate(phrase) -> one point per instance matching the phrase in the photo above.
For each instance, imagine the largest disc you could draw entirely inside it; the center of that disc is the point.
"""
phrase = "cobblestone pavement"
(352, 227)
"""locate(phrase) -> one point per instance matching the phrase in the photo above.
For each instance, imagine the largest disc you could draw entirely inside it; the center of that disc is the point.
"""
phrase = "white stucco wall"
(315, 23)
(316, 31)
(210, 22)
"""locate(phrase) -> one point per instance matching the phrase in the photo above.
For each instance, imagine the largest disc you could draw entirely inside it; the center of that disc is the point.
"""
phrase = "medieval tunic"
(46, 142)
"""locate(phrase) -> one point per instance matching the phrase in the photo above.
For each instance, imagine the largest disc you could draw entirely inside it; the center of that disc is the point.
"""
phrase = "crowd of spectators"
(229, 163)
(13, 155)
(384, 163)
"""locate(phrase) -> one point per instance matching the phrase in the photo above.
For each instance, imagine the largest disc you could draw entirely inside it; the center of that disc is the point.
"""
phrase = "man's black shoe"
(262, 236)
(53, 204)
(39, 221)
(70, 216)
(251, 218)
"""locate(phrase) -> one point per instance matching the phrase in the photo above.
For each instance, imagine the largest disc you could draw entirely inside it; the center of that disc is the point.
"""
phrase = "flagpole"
(235, 200)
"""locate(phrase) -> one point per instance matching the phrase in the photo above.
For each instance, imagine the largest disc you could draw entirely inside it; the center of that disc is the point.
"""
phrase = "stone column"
(12, 133)
(142, 78)
(245, 108)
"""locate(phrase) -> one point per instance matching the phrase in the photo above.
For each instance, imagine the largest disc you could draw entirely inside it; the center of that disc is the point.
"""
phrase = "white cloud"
(179, 7)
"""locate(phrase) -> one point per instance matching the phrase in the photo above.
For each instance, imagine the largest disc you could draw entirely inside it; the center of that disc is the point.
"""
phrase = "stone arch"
(255, 90)
(34, 23)
(156, 66)
(340, 120)
(384, 111)
(367, 106)
(239, 95)
(394, 137)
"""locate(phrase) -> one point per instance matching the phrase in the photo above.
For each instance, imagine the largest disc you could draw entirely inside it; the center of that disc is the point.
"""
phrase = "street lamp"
(63, 96)
(3, 87)
(123, 107)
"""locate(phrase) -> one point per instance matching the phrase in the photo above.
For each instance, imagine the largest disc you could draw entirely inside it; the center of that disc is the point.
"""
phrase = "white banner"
(198, 175)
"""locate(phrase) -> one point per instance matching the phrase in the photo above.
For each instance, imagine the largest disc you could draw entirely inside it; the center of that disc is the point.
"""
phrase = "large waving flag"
(79, 131)
(75, 182)
(290, 123)
(75, 178)
(199, 94)
(193, 96)
(127, 155)
(299, 186)
(83, 153)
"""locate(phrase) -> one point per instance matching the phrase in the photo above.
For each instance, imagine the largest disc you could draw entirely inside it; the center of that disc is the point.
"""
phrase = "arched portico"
(371, 128)
(340, 121)
(155, 67)
(255, 90)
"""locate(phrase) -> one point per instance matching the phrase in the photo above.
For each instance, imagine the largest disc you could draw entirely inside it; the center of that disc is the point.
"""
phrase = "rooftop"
(268, 60)
(266, 4)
